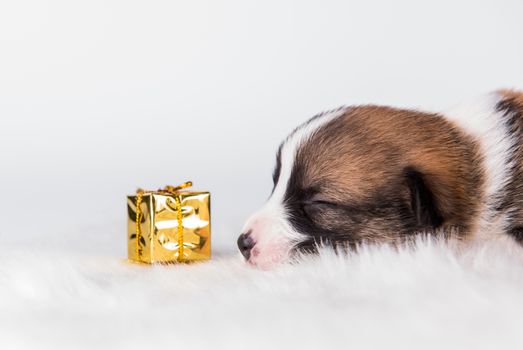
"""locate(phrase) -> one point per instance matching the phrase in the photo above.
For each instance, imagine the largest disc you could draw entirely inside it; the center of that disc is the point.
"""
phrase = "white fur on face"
(480, 119)
(269, 227)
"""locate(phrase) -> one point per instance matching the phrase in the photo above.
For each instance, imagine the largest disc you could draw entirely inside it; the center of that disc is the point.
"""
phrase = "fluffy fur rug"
(429, 296)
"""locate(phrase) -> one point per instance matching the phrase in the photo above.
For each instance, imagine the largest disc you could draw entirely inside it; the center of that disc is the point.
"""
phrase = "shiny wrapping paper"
(153, 231)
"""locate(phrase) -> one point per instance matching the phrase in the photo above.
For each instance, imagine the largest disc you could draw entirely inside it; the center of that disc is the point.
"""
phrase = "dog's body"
(379, 174)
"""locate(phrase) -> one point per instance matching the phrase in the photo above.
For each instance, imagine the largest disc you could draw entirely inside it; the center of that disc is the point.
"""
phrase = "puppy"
(383, 175)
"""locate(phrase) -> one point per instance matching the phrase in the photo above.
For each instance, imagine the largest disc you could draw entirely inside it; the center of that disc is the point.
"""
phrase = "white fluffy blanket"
(427, 297)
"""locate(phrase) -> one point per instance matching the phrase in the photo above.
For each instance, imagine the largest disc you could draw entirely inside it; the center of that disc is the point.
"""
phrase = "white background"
(100, 97)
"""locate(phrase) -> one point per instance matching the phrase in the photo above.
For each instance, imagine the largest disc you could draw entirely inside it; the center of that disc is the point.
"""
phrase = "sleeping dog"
(373, 174)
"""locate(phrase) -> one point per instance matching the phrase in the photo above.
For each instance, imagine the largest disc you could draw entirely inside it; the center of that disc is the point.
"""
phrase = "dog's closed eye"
(314, 206)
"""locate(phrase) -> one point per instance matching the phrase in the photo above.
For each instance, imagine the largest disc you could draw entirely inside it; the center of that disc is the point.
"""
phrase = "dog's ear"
(422, 200)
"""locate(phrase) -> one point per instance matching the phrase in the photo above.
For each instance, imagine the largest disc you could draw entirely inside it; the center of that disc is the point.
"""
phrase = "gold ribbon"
(173, 191)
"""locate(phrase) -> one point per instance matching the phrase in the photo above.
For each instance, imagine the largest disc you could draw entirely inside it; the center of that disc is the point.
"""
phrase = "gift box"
(169, 225)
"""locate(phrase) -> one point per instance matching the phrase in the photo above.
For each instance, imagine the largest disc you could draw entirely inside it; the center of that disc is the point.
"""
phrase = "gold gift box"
(169, 225)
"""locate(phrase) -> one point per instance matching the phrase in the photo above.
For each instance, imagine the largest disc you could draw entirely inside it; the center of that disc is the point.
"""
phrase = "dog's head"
(364, 174)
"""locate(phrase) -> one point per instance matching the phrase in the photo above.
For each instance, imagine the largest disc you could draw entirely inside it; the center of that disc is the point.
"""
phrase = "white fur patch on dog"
(430, 297)
(270, 227)
(480, 119)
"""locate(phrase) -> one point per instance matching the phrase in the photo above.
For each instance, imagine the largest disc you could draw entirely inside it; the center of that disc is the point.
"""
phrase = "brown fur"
(514, 95)
(360, 159)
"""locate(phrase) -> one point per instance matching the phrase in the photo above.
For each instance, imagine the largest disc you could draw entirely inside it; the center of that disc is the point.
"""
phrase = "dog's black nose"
(246, 243)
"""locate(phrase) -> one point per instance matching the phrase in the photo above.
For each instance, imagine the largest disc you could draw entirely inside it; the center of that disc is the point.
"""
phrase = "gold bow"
(174, 191)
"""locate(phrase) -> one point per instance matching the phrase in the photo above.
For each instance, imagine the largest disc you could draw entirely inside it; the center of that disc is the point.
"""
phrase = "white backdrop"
(100, 97)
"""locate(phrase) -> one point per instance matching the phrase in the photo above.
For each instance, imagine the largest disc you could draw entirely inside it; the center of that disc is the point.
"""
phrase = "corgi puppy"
(375, 174)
